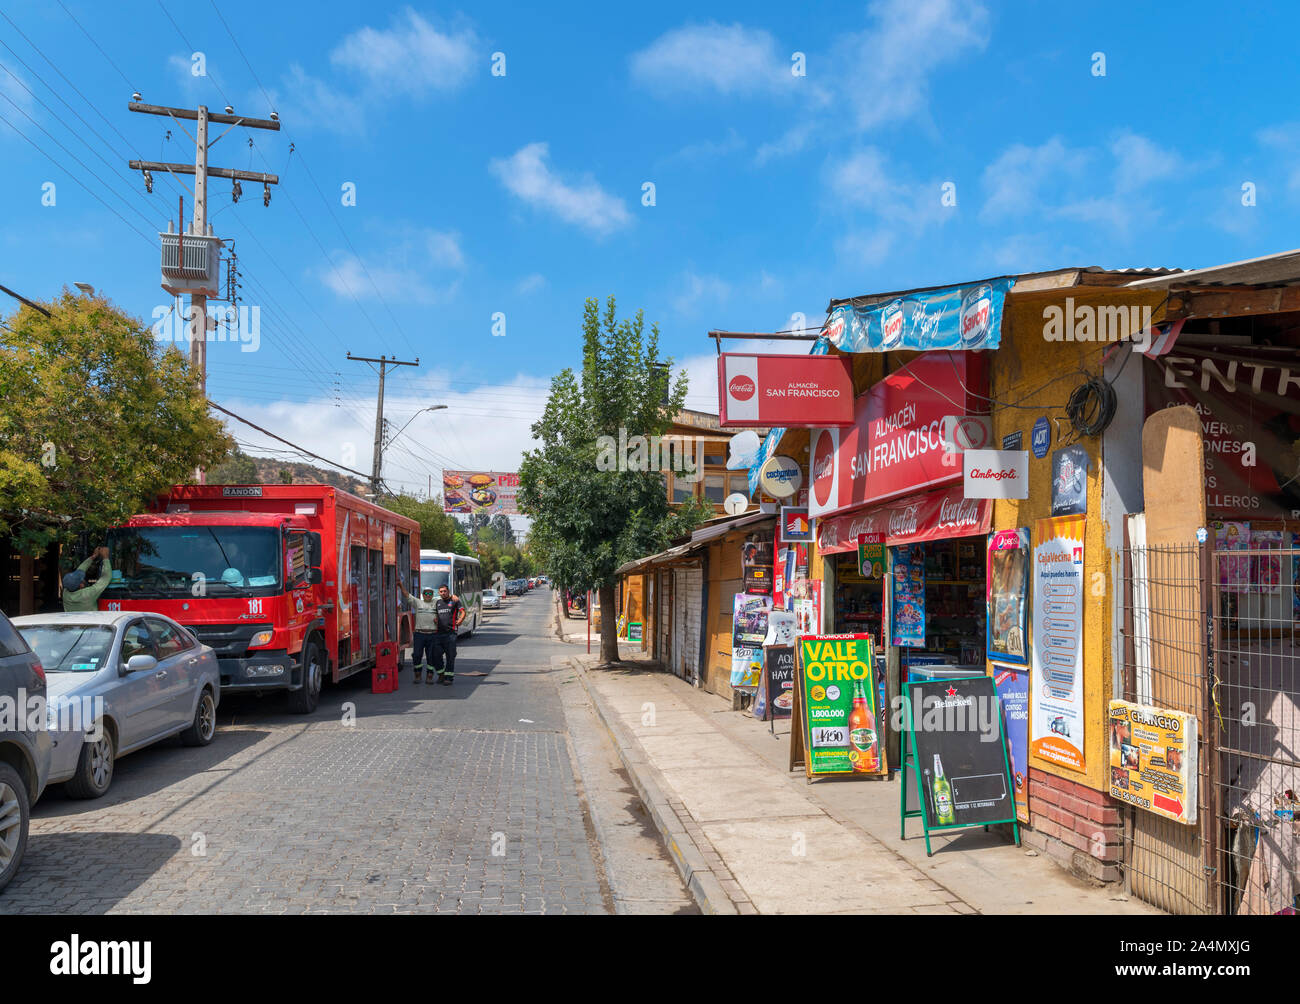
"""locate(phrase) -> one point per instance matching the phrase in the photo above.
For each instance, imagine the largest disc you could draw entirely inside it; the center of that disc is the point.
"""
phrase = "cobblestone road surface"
(457, 799)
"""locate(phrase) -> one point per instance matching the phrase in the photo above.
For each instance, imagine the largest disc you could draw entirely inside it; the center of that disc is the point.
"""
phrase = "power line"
(266, 432)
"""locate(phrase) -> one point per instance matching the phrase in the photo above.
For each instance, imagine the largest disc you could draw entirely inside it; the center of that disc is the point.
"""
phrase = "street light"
(435, 407)
(86, 288)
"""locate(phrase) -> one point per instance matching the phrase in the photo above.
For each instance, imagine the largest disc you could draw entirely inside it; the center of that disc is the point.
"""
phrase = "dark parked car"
(24, 745)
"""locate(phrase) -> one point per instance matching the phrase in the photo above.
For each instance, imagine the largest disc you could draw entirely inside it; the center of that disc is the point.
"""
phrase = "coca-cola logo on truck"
(741, 387)
(824, 467)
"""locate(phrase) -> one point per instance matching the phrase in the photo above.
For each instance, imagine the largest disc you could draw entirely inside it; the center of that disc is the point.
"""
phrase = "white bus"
(461, 574)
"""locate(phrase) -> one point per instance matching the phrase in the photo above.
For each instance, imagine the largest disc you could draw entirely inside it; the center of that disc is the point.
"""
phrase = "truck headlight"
(261, 638)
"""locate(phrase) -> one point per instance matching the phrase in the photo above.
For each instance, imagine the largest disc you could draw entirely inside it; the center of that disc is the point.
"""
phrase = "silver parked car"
(491, 599)
(118, 681)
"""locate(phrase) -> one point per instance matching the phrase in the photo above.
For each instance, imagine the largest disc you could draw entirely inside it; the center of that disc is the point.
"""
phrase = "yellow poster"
(1153, 759)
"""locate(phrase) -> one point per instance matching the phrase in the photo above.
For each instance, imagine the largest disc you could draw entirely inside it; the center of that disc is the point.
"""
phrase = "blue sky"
(522, 193)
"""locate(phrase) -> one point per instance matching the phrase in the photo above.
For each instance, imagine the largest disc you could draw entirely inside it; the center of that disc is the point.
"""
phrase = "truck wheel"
(15, 816)
(204, 726)
(94, 767)
(303, 701)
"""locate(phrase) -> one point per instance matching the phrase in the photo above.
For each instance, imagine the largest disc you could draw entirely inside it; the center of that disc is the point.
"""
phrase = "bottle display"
(862, 733)
(943, 810)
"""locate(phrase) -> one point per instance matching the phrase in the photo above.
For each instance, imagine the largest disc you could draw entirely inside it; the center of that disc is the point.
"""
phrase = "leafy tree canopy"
(98, 420)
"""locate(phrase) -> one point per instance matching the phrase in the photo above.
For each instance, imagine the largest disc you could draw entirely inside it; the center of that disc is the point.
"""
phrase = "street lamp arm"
(436, 407)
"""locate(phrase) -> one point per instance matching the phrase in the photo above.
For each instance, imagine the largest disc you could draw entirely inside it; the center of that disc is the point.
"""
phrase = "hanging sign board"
(780, 477)
(1069, 481)
(795, 525)
(956, 317)
(995, 474)
(956, 755)
(791, 391)
(839, 720)
(1153, 759)
(871, 555)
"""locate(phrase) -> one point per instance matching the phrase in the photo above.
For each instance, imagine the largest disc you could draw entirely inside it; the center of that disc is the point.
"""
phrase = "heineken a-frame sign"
(955, 757)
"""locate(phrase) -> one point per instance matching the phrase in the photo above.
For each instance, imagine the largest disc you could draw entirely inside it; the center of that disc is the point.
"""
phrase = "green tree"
(98, 420)
(460, 544)
(501, 528)
(587, 521)
(437, 529)
(238, 468)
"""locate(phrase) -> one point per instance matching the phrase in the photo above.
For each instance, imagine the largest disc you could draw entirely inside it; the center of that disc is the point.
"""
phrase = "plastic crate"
(383, 678)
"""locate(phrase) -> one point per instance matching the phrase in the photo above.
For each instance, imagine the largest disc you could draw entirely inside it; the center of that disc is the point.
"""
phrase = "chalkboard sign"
(776, 688)
(634, 631)
(955, 755)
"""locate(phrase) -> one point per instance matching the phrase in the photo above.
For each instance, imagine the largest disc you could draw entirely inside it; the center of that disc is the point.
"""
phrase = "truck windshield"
(171, 560)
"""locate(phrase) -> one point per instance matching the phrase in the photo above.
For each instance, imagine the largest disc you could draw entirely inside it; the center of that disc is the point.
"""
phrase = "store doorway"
(938, 593)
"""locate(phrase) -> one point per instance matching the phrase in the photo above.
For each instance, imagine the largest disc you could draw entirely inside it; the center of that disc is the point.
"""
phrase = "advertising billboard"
(486, 492)
(792, 391)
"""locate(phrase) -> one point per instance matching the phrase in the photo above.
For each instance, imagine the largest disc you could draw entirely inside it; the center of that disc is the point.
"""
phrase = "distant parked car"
(521, 586)
(24, 750)
(491, 599)
(532, 583)
(119, 681)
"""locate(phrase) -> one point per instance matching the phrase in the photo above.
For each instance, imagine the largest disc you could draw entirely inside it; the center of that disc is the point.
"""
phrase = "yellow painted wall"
(1028, 370)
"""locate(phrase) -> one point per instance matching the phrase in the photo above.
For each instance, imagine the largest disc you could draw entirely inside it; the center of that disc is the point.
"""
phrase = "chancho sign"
(896, 445)
(792, 391)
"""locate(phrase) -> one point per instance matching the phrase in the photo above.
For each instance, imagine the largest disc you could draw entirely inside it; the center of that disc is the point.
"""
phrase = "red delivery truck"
(288, 583)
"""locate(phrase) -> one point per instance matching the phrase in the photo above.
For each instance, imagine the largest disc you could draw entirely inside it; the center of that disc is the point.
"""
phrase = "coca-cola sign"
(823, 468)
(896, 445)
(741, 387)
(933, 515)
(794, 392)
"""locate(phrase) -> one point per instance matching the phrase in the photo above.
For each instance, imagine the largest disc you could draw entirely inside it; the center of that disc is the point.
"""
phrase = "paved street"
(468, 799)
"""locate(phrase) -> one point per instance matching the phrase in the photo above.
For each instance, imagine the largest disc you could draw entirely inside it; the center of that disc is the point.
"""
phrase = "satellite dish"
(735, 504)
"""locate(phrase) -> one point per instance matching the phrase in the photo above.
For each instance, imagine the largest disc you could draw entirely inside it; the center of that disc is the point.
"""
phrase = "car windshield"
(489, 594)
(170, 560)
(69, 648)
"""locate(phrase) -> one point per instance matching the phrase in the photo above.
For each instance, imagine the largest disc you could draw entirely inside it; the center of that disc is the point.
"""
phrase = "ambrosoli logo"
(741, 388)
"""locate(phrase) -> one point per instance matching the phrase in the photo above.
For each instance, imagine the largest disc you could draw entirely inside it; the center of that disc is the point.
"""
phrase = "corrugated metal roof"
(1281, 269)
(699, 538)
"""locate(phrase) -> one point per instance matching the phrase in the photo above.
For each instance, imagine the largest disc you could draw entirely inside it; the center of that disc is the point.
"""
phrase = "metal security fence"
(1214, 631)
(1255, 692)
(1164, 652)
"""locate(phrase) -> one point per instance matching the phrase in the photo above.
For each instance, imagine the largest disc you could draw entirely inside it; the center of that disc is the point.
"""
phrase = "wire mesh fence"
(1214, 631)
(1167, 863)
(1255, 695)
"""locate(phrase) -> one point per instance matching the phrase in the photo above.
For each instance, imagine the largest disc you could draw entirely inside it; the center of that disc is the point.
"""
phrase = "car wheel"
(94, 767)
(204, 726)
(303, 701)
(15, 816)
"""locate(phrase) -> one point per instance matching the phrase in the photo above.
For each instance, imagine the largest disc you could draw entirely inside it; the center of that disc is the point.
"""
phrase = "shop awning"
(699, 538)
(932, 515)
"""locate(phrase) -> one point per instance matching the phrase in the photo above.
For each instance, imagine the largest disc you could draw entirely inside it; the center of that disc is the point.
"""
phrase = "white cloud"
(865, 181)
(11, 88)
(730, 59)
(1013, 182)
(307, 103)
(484, 427)
(886, 68)
(530, 284)
(792, 141)
(408, 275)
(709, 149)
(411, 58)
(698, 290)
(527, 176)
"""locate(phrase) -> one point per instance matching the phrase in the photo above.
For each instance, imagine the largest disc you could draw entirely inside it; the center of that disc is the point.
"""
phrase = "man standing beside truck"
(424, 649)
(449, 612)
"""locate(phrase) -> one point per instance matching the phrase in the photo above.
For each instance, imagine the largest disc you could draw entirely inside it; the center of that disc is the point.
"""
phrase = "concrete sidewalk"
(749, 836)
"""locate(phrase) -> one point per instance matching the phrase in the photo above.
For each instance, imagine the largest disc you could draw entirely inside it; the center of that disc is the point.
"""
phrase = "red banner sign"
(794, 392)
(895, 445)
(934, 515)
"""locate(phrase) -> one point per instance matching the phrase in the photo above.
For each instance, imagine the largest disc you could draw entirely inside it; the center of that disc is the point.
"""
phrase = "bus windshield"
(435, 577)
(170, 560)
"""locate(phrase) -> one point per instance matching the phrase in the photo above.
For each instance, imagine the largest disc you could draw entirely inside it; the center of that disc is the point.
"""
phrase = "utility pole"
(199, 226)
(384, 362)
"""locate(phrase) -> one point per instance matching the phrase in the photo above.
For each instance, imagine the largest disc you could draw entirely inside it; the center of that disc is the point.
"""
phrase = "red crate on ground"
(383, 678)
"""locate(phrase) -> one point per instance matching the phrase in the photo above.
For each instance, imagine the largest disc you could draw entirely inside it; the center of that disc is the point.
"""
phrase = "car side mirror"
(315, 576)
(140, 663)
